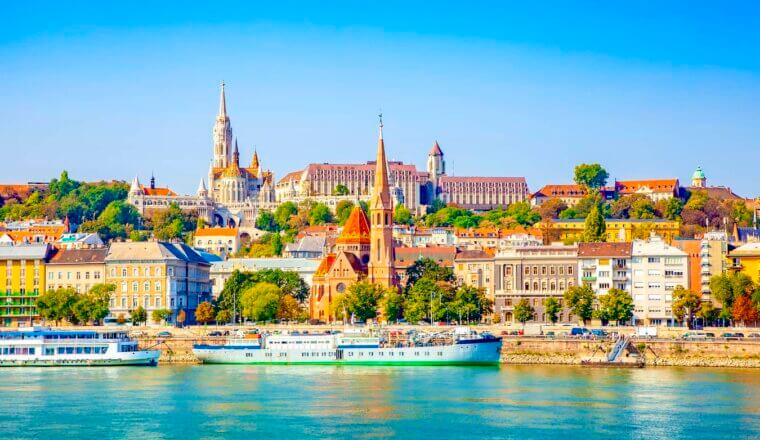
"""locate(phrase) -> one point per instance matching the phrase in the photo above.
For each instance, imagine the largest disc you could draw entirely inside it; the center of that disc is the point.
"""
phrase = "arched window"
(535, 286)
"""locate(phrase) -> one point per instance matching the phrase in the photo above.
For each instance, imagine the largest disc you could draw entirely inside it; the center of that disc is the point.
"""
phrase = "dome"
(698, 174)
(356, 230)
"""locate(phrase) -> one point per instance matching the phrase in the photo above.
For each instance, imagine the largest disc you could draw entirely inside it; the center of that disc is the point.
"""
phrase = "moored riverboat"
(43, 347)
(460, 347)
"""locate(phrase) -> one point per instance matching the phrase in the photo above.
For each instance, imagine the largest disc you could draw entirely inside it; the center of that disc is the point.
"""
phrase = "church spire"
(381, 196)
(222, 103)
(236, 155)
(381, 259)
(255, 161)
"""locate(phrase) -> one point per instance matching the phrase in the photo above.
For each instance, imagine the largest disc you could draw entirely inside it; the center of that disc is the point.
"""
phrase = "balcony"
(619, 277)
(588, 278)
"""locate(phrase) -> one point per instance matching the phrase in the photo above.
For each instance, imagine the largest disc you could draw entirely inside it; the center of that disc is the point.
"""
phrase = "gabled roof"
(356, 230)
(436, 150)
(80, 256)
(655, 185)
(325, 265)
(148, 191)
(605, 249)
(563, 190)
(216, 232)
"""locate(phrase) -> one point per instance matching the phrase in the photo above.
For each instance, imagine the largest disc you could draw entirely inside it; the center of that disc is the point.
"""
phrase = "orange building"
(693, 250)
(363, 251)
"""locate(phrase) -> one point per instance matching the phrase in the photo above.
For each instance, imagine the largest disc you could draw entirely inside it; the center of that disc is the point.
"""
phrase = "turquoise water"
(378, 402)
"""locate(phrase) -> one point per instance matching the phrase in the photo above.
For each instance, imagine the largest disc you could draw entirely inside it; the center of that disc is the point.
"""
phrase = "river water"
(230, 401)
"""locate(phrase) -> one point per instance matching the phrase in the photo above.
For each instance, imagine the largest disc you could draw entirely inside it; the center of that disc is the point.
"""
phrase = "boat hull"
(135, 358)
(486, 352)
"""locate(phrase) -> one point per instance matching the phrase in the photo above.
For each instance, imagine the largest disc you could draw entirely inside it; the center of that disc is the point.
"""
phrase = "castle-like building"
(415, 189)
(235, 193)
(363, 251)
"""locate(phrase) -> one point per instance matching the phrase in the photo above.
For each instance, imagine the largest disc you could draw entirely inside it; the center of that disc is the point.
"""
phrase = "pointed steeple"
(381, 197)
(236, 155)
(222, 103)
(255, 162)
(202, 191)
(135, 188)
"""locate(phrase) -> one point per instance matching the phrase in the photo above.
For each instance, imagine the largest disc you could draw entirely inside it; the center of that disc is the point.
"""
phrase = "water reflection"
(380, 402)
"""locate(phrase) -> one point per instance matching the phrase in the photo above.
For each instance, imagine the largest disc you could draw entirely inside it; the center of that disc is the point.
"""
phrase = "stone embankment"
(656, 352)
(667, 350)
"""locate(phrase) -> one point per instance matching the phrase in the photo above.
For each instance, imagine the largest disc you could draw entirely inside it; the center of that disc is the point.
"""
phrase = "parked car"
(549, 334)
(164, 334)
(754, 335)
(579, 331)
(694, 335)
(215, 333)
(599, 333)
(738, 335)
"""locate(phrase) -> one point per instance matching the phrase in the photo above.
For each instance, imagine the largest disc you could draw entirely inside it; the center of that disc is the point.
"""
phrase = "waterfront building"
(235, 193)
(414, 189)
(475, 268)
(22, 278)
(604, 266)
(218, 240)
(221, 271)
(618, 230)
(79, 240)
(77, 269)
(708, 257)
(407, 256)
(746, 259)
(364, 250)
(157, 275)
(534, 272)
(692, 248)
(658, 269)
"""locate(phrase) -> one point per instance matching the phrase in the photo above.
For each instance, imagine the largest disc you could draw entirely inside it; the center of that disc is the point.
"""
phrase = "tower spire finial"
(380, 116)
(222, 101)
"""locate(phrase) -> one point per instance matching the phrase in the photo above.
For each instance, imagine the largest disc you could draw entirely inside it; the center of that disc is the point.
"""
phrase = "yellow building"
(157, 275)
(476, 268)
(22, 280)
(746, 259)
(77, 269)
(618, 230)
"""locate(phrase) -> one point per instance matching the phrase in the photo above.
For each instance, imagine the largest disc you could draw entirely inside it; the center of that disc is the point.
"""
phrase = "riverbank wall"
(538, 350)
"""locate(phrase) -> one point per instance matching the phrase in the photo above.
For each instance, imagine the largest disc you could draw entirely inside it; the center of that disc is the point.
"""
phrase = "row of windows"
(147, 271)
(135, 302)
(136, 286)
(545, 270)
(77, 275)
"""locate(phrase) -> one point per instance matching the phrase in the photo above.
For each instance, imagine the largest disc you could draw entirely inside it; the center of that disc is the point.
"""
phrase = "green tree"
(586, 204)
(288, 309)
(320, 214)
(223, 316)
(615, 306)
(93, 305)
(340, 190)
(57, 305)
(685, 304)
(523, 311)
(551, 208)
(204, 313)
(591, 176)
(427, 268)
(580, 299)
(160, 315)
(139, 315)
(172, 223)
(417, 302)
(673, 208)
(343, 211)
(283, 213)
(118, 219)
(266, 221)
(568, 213)
(553, 309)
(391, 305)
(362, 299)
(260, 302)
(707, 312)
(402, 215)
(276, 244)
(595, 228)
(468, 303)
(642, 209)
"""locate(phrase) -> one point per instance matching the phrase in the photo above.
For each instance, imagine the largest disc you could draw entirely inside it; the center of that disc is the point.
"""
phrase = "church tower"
(436, 167)
(222, 135)
(381, 270)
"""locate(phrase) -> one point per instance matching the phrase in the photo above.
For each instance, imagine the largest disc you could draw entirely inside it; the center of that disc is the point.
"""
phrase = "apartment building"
(658, 269)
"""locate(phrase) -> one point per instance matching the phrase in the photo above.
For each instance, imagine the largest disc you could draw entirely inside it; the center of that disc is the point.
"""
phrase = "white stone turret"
(135, 188)
(222, 134)
(202, 191)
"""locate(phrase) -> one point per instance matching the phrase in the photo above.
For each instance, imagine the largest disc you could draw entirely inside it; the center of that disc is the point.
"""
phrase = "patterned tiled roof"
(356, 230)
(604, 249)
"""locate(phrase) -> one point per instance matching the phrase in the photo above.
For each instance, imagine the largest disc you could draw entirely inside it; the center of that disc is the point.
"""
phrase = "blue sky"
(649, 89)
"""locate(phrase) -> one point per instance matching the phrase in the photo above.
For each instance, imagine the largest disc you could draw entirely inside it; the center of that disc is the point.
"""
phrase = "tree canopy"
(591, 176)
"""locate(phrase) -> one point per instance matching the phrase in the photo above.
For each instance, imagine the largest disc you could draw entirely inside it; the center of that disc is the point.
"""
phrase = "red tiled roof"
(436, 150)
(148, 191)
(563, 190)
(80, 256)
(657, 185)
(216, 232)
(406, 256)
(295, 175)
(605, 249)
(478, 179)
(356, 229)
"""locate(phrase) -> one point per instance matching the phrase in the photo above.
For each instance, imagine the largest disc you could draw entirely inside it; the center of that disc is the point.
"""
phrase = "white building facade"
(658, 269)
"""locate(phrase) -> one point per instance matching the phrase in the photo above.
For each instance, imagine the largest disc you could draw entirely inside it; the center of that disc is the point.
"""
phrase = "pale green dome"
(698, 174)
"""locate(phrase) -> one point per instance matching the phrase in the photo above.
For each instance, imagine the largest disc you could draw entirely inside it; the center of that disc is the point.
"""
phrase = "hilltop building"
(234, 194)
(414, 189)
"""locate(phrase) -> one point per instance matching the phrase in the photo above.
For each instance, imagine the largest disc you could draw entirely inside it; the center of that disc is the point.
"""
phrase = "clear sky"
(648, 89)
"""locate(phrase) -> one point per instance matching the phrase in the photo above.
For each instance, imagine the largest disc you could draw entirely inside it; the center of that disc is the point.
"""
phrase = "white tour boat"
(460, 347)
(43, 347)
